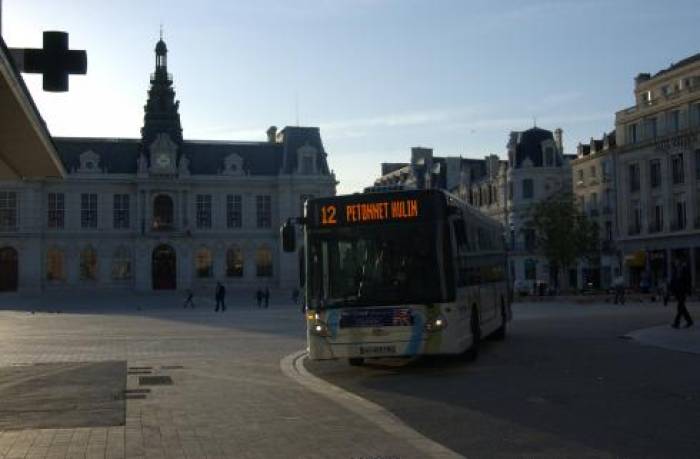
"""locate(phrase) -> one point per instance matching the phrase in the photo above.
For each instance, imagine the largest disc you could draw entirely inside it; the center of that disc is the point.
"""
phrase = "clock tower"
(161, 114)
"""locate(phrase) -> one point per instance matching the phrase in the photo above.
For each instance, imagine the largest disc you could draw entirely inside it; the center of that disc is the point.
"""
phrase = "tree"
(563, 233)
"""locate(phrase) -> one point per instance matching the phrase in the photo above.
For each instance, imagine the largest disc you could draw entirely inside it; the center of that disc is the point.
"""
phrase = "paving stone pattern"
(228, 397)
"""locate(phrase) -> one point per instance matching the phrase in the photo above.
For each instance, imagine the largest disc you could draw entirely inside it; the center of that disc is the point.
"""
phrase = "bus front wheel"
(473, 352)
(356, 361)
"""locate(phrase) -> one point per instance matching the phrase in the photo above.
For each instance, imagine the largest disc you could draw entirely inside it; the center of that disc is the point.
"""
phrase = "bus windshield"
(376, 265)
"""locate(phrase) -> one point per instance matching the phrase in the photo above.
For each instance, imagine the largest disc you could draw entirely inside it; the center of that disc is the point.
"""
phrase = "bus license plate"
(377, 350)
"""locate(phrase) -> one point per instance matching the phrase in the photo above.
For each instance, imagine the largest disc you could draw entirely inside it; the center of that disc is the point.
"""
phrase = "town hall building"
(160, 212)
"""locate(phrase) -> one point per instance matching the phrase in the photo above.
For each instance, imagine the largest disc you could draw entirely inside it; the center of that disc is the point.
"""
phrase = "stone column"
(142, 266)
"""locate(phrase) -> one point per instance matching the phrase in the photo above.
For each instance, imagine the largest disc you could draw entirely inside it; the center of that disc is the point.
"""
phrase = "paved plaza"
(228, 397)
(74, 382)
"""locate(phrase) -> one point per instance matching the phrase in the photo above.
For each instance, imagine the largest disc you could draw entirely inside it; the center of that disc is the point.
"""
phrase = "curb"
(293, 366)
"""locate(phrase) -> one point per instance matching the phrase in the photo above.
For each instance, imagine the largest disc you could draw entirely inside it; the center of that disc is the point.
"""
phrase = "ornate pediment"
(163, 155)
(233, 165)
(89, 162)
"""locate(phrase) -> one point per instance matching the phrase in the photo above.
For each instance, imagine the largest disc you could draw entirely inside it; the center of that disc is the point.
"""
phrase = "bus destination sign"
(349, 213)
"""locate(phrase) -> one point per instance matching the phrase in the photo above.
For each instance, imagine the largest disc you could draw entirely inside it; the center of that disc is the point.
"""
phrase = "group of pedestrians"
(679, 287)
(261, 295)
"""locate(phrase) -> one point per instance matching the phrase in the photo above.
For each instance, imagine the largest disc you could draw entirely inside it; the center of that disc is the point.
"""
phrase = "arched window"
(234, 262)
(121, 264)
(55, 270)
(263, 262)
(203, 263)
(163, 212)
(88, 264)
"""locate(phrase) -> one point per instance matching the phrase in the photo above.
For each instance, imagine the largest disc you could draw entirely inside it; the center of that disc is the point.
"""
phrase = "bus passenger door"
(487, 291)
(460, 257)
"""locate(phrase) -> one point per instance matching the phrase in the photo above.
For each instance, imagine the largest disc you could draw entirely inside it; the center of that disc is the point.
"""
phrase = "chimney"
(271, 132)
(558, 133)
(641, 78)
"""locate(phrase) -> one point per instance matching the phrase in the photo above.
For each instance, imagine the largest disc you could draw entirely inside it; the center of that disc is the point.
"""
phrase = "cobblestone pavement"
(228, 397)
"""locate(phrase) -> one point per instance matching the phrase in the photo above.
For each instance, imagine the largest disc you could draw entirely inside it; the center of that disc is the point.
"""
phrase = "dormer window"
(306, 160)
(89, 162)
(233, 165)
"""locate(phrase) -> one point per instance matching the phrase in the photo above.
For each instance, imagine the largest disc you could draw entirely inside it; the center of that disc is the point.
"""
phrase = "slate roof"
(681, 63)
(117, 156)
(120, 156)
(259, 158)
(529, 145)
(295, 137)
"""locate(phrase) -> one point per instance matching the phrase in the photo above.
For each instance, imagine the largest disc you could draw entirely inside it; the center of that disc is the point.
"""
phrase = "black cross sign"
(55, 61)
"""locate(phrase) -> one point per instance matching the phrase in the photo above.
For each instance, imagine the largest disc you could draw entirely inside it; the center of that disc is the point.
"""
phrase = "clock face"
(163, 160)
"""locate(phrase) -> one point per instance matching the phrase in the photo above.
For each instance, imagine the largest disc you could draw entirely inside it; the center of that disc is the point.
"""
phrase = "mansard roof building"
(505, 190)
(160, 211)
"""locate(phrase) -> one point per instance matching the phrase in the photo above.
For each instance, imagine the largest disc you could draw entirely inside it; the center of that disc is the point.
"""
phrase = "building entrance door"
(8, 269)
(164, 268)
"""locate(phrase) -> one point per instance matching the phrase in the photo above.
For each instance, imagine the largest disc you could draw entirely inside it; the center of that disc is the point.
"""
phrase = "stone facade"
(502, 189)
(161, 212)
(536, 168)
(593, 175)
(658, 175)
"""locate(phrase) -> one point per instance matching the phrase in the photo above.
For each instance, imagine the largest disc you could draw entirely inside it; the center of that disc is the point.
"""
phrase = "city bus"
(400, 274)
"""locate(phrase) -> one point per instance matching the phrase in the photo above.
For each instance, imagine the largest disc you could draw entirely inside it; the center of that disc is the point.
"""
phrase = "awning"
(26, 148)
(636, 259)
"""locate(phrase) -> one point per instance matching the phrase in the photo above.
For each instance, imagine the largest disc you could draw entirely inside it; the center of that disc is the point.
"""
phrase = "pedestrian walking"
(267, 297)
(680, 287)
(259, 297)
(220, 296)
(619, 287)
(190, 299)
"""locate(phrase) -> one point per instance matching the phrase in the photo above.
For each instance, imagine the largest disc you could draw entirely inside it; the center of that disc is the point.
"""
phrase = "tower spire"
(161, 109)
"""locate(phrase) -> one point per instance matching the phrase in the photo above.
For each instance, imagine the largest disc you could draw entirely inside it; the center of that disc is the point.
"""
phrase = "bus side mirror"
(289, 236)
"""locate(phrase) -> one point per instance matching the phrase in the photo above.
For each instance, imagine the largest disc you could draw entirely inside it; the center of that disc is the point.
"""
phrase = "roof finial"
(161, 30)
(534, 121)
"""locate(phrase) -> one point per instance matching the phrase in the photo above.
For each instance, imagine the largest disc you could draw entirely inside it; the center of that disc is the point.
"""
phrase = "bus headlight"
(318, 328)
(437, 324)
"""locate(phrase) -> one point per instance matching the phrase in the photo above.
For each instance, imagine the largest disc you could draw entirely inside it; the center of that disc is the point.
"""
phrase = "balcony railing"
(158, 225)
(655, 227)
(521, 247)
(677, 226)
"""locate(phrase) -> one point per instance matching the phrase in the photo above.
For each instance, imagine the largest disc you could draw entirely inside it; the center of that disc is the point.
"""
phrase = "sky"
(377, 76)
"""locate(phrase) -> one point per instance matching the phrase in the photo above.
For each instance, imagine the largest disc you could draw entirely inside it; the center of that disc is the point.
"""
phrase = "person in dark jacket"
(259, 297)
(680, 288)
(267, 297)
(220, 297)
(190, 299)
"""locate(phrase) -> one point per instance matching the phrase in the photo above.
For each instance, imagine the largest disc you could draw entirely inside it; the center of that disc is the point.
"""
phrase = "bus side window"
(460, 231)
(462, 246)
